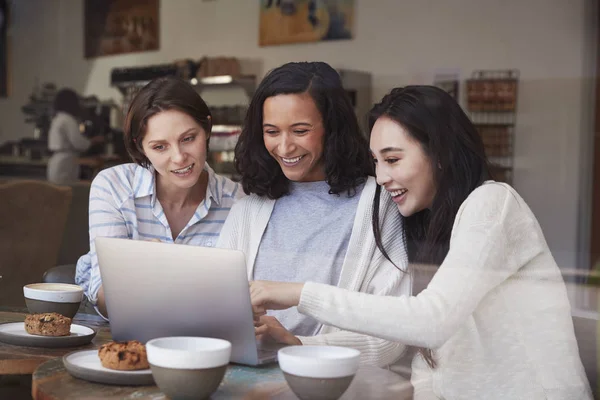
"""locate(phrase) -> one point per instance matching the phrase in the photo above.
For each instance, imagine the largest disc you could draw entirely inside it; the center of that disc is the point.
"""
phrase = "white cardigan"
(364, 268)
(496, 313)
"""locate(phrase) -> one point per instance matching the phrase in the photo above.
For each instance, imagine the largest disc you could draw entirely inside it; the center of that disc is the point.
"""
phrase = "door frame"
(594, 243)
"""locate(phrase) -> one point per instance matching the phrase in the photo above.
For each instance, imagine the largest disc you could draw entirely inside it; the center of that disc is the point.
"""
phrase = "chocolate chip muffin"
(124, 356)
(48, 324)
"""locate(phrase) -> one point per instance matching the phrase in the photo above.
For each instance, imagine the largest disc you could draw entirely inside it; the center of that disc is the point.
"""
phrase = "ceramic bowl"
(60, 298)
(318, 372)
(188, 367)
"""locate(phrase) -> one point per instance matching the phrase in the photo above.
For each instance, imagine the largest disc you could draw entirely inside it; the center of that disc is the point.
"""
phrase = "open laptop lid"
(162, 289)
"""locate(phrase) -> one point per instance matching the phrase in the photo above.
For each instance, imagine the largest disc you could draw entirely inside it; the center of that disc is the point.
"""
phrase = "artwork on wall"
(3, 48)
(120, 26)
(301, 21)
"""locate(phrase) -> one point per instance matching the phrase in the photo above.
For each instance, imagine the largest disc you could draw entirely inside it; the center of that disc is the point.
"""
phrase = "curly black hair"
(346, 154)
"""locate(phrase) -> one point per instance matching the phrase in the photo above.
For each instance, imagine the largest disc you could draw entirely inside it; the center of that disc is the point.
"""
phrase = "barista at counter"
(65, 140)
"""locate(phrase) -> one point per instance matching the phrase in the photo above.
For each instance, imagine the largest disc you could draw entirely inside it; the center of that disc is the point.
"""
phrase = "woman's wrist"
(299, 287)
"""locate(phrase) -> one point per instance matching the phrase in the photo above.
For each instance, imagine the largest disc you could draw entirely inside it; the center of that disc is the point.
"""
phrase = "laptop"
(162, 289)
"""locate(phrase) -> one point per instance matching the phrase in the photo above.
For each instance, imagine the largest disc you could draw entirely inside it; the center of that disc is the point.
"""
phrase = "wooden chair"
(32, 222)
(76, 238)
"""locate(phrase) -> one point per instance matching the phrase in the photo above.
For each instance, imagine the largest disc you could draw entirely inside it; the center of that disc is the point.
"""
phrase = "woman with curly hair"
(307, 168)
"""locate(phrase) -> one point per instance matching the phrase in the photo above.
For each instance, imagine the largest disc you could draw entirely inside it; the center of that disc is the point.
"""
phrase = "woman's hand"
(268, 329)
(267, 295)
(101, 304)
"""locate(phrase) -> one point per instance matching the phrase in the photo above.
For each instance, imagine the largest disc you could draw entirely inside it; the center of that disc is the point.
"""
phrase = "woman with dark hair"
(306, 166)
(170, 193)
(65, 140)
(495, 319)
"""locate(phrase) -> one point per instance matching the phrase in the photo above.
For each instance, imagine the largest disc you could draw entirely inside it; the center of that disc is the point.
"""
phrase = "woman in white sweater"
(494, 322)
(306, 166)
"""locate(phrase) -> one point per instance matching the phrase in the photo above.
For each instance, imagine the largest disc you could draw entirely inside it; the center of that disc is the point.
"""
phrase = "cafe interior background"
(542, 137)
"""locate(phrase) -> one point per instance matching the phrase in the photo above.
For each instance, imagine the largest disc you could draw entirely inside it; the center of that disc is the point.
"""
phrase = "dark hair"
(345, 149)
(162, 94)
(456, 152)
(67, 101)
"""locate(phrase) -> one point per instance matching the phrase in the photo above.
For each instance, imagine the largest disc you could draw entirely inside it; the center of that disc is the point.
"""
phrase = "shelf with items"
(224, 137)
(494, 91)
(222, 163)
(492, 105)
(248, 83)
(130, 88)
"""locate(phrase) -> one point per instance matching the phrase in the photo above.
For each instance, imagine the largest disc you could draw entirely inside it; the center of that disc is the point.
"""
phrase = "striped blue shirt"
(123, 204)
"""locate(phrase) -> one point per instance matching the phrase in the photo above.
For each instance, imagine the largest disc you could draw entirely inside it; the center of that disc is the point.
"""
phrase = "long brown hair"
(456, 152)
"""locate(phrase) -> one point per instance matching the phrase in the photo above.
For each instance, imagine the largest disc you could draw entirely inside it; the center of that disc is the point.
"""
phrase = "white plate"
(85, 364)
(15, 333)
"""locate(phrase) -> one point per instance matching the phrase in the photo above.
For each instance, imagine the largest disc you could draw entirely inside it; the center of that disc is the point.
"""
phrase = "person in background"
(495, 320)
(65, 140)
(170, 193)
(306, 165)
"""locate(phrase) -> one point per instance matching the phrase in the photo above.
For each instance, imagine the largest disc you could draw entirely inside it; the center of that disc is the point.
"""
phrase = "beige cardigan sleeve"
(485, 249)
(374, 350)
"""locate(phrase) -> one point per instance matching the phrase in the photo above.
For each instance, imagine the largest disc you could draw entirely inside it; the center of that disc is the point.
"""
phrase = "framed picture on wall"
(120, 26)
(4, 18)
(301, 21)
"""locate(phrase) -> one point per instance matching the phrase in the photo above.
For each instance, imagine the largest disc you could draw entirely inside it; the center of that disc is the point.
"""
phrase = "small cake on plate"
(124, 356)
(48, 324)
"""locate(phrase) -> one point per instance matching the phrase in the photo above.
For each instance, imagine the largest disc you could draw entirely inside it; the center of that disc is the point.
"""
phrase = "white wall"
(399, 42)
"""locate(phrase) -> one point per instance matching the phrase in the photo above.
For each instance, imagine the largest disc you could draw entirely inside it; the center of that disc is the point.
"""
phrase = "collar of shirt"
(145, 185)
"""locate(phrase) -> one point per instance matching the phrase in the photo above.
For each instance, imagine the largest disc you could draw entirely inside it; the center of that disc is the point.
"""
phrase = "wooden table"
(52, 382)
(19, 360)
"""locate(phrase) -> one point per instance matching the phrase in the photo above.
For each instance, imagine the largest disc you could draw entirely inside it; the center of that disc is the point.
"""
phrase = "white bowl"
(184, 352)
(55, 292)
(319, 361)
(188, 367)
(318, 372)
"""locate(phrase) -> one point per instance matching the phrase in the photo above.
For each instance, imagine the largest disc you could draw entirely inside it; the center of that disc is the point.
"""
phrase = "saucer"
(14, 333)
(85, 364)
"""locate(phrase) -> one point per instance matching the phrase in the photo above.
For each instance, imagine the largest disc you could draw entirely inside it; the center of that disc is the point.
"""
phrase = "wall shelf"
(492, 105)
(247, 82)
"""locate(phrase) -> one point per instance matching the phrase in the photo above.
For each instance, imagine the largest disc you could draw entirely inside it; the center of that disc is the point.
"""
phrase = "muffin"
(48, 324)
(124, 356)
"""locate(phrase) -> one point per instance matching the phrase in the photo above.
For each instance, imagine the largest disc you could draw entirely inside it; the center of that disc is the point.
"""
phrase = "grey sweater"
(306, 240)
